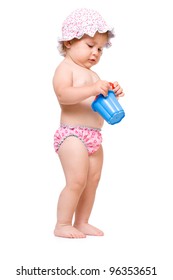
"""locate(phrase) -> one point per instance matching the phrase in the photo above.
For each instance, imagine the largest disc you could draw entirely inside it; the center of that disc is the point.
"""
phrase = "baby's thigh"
(74, 159)
(95, 166)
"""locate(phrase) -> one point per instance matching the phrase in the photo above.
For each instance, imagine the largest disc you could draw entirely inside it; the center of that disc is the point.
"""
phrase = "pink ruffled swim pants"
(91, 137)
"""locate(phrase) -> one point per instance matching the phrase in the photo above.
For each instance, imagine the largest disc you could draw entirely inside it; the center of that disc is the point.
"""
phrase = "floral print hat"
(84, 21)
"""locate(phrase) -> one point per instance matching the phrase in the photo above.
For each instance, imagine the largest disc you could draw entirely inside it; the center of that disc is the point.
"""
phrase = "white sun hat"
(84, 21)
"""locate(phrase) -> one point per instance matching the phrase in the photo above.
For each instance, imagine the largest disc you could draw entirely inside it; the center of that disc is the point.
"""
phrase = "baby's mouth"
(92, 60)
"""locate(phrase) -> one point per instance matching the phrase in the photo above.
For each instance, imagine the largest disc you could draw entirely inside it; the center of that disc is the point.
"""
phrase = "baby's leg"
(74, 159)
(87, 198)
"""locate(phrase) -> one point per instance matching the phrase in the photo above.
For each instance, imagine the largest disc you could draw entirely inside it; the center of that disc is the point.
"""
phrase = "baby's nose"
(95, 51)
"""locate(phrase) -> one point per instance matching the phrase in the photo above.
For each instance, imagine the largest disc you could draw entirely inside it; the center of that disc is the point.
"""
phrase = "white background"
(134, 201)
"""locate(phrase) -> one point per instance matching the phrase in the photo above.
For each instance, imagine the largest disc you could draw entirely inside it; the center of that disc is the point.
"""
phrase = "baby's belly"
(81, 114)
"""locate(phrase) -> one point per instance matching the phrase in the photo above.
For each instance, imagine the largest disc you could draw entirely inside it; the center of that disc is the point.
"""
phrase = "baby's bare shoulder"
(95, 76)
(63, 67)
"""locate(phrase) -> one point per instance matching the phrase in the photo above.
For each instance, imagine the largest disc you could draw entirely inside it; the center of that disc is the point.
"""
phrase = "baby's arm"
(68, 94)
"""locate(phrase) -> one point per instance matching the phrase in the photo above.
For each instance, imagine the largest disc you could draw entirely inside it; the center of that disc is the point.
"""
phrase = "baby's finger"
(115, 84)
(120, 94)
(118, 89)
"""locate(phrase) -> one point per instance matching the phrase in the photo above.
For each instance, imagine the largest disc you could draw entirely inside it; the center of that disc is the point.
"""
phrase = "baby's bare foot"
(89, 229)
(68, 231)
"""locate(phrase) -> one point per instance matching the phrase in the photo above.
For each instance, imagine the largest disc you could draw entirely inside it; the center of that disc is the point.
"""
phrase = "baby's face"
(87, 51)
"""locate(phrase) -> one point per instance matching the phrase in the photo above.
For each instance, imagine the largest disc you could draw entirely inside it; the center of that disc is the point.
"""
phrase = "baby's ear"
(67, 44)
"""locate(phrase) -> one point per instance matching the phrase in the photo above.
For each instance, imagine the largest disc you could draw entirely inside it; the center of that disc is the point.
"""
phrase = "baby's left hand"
(118, 90)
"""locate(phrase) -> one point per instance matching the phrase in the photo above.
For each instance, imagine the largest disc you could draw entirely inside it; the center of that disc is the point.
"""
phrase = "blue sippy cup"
(108, 107)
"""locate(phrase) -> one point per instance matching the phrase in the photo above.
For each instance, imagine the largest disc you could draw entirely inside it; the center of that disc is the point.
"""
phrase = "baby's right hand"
(101, 87)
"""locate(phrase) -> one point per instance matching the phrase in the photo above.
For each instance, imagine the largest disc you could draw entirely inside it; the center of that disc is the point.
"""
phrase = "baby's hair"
(62, 48)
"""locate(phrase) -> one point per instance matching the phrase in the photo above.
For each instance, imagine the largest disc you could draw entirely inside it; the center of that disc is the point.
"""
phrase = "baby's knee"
(78, 184)
(95, 178)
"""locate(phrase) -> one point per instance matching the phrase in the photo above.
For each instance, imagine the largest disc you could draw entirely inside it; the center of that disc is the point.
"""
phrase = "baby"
(78, 139)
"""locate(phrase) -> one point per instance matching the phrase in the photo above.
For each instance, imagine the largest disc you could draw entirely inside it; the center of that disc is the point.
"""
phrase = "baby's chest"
(84, 78)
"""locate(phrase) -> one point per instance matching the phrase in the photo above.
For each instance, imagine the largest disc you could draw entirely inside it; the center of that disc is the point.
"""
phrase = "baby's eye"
(100, 50)
(90, 46)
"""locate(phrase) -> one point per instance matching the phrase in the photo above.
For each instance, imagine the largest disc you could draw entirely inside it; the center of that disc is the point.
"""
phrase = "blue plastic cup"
(108, 107)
